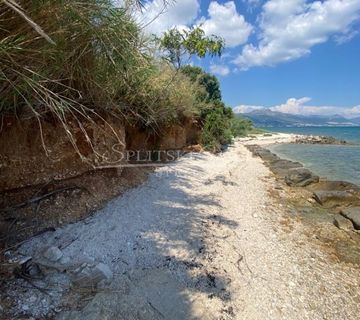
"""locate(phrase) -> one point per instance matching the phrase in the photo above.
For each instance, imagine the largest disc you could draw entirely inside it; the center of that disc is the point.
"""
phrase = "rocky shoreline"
(321, 140)
(317, 201)
(341, 198)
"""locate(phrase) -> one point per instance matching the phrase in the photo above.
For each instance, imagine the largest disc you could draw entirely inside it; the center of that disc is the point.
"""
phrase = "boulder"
(334, 198)
(352, 214)
(343, 223)
(300, 177)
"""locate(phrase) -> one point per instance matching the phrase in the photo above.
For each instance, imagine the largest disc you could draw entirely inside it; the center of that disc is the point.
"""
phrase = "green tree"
(208, 81)
(176, 44)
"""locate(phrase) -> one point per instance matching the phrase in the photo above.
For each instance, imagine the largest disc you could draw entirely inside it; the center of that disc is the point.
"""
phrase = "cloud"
(226, 22)
(299, 107)
(292, 105)
(246, 108)
(290, 28)
(219, 69)
(157, 18)
(252, 3)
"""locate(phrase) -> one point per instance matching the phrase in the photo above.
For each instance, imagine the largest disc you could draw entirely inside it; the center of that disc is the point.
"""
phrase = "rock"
(31, 269)
(334, 198)
(53, 254)
(90, 277)
(335, 193)
(320, 140)
(343, 223)
(352, 214)
(329, 185)
(300, 177)
(311, 200)
(281, 166)
(104, 271)
(266, 155)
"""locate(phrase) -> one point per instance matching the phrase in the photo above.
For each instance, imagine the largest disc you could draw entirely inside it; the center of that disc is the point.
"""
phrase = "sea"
(335, 162)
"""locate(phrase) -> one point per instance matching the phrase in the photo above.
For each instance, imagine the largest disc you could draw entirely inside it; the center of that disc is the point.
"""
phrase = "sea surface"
(330, 161)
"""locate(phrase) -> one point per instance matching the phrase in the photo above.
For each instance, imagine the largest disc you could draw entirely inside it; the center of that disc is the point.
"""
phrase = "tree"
(179, 43)
(208, 81)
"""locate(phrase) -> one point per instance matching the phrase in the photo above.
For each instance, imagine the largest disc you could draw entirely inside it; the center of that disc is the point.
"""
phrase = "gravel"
(202, 239)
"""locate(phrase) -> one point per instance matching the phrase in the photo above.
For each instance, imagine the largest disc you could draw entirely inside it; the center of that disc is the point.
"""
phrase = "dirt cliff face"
(174, 137)
(56, 184)
(33, 152)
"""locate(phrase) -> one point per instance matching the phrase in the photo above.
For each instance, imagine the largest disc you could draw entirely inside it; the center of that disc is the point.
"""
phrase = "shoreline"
(332, 168)
(187, 244)
(333, 201)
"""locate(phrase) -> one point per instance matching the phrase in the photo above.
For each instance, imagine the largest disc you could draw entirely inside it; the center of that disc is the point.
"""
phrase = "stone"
(104, 271)
(329, 185)
(281, 167)
(334, 198)
(343, 223)
(90, 277)
(52, 254)
(352, 214)
(311, 200)
(266, 155)
(300, 177)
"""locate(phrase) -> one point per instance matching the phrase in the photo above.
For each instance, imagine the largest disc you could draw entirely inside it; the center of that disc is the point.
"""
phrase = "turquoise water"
(342, 133)
(330, 161)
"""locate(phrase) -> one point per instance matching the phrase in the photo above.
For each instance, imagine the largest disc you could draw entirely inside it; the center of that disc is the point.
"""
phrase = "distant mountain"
(268, 118)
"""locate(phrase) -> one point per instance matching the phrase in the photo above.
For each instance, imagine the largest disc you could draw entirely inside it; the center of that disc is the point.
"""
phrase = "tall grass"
(80, 60)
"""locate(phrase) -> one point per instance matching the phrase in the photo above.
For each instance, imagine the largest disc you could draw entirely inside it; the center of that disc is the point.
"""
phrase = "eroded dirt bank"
(203, 239)
(51, 177)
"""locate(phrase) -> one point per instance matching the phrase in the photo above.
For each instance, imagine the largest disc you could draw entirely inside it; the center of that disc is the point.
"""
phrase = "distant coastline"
(350, 134)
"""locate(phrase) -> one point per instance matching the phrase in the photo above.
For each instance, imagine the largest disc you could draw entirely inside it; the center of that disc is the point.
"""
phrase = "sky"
(294, 56)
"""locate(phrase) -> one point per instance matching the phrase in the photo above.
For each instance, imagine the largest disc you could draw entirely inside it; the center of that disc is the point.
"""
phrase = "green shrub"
(240, 127)
(216, 130)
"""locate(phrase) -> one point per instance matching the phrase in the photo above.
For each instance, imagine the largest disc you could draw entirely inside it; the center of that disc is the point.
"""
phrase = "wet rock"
(334, 198)
(352, 214)
(300, 177)
(343, 223)
(52, 254)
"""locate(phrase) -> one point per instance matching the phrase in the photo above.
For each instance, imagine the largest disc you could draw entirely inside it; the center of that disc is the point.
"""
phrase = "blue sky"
(295, 56)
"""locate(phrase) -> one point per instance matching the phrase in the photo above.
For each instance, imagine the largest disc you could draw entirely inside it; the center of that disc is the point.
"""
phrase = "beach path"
(204, 239)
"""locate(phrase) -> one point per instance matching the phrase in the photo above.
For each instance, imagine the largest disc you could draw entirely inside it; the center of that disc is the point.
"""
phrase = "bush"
(240, 127)
(67, 55)
(216, 130)
(82, 58)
